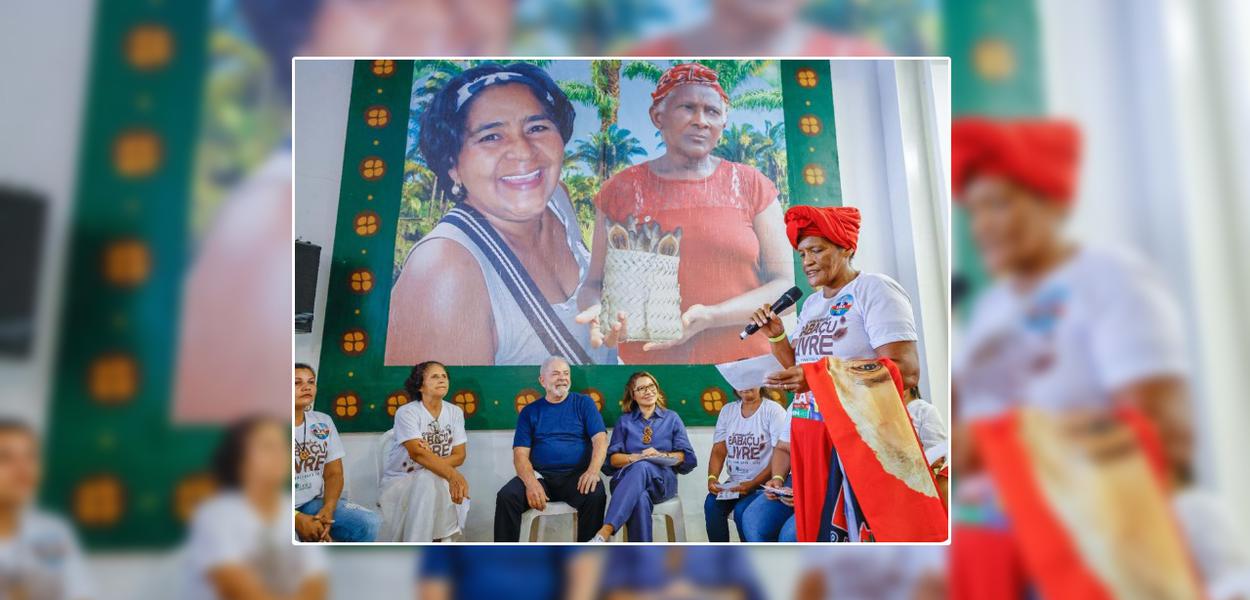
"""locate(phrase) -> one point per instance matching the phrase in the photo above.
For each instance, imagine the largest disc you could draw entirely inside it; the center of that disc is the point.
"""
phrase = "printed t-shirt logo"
(841, 305)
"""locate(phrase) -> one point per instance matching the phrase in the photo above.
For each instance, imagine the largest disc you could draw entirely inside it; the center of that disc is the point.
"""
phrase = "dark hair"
(627, 401)
(306, 367)
(227, 465)
(280, 28)
(442, 124)
(417, 377)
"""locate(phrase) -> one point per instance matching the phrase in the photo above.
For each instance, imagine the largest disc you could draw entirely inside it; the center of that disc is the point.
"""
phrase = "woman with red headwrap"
(732, 246)
(852, 315)
(1083, 335)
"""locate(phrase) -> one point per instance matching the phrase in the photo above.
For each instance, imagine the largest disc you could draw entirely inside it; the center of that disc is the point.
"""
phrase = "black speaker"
(307, 259)
(23, 218)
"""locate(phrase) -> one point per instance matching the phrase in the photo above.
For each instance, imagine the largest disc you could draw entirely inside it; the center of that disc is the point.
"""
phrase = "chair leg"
(534, 529)
(671, 526)
(576, 532)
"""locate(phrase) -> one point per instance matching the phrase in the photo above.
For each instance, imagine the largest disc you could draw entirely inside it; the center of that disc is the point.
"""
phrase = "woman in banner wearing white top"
(422, 490)
(853, 315)
(506, 264)
(742, 443)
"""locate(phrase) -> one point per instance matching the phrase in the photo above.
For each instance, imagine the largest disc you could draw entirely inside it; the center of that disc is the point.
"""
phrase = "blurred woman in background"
(239, 544)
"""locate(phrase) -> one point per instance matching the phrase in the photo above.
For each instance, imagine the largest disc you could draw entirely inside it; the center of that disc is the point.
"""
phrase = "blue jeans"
(716, 514)
(789, 531)
(764, 520)
(352, 522)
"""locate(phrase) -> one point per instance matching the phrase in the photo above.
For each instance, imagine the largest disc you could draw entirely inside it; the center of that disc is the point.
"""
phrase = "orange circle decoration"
(713, 399)
(994, 60)
(113, 378)
(377, 116)
(366, 223)
(347, 405)
(775, 395)
(526, 397)
(191, 491)
(127, 263)
(354, 342)
(595, 395)
(810, 125)
(813, 174)
(136, 153)
(361, 281)
(149, 47)
(467, 401)
(806, 77)
(372, 168)
(99, 501)
(383, 68)
(396, 400)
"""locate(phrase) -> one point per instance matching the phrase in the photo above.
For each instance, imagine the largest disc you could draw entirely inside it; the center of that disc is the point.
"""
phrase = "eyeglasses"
(650, 387)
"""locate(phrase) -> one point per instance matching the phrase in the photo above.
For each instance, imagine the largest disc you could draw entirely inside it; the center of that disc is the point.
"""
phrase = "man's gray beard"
(562, 391)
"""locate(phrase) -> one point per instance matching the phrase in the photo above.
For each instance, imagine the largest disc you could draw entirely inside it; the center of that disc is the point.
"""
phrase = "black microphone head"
(787, 299)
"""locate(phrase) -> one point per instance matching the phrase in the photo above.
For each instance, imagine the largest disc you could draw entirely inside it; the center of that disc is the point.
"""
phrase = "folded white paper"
(749, 373)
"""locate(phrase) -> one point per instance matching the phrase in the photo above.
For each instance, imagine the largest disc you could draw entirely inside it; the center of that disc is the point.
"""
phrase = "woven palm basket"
(643, 285)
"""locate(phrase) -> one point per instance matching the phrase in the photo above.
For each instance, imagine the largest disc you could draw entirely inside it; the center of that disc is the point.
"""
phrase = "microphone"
(786, 300)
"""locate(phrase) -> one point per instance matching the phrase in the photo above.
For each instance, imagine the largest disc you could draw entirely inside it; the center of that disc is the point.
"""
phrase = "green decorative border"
(996, 71)
(116, 455)
(491, 394)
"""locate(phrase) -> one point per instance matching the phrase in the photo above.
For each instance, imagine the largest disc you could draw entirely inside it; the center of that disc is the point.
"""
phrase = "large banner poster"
(533, 222)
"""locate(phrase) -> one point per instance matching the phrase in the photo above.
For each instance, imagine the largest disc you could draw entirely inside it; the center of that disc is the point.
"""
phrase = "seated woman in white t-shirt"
(742, 444)
(39, 553)
(239, 544)
(321, 514)
(423, 495)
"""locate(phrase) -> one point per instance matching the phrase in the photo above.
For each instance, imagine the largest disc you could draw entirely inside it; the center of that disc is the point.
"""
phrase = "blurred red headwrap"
(692, 73)
(838, 224)
(1041, 155)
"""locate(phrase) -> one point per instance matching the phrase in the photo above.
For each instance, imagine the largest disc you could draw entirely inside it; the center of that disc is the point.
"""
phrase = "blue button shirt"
(558, 435)
(653, 568)
(484, 573)
(668, 434)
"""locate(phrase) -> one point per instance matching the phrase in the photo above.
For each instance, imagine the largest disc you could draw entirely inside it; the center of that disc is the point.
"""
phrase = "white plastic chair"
(384, 449)
(531, 520)
(666, 517)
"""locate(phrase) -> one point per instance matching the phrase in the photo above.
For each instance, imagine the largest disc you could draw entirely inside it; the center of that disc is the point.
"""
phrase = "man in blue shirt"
(559, 446)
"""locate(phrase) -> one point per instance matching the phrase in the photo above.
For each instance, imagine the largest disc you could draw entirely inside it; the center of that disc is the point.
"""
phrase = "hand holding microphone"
(766, 317)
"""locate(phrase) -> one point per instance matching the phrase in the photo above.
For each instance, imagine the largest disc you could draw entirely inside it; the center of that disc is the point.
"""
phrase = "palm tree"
(607, 152)
(603, 93)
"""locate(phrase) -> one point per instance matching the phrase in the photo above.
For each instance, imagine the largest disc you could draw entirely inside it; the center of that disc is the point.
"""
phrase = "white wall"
(890, 139)
(322, 95)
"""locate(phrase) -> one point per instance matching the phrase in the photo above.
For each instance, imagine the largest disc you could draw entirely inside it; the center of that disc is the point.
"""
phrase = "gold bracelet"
(780, 336)
(713, 478)
(778, 478)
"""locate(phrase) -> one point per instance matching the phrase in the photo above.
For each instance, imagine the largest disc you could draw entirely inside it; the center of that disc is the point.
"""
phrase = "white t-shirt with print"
(869, 312)
(227, 531)
(317, 443)
(413, 421)
(749, 440)
(1097, 323)
(43, 560)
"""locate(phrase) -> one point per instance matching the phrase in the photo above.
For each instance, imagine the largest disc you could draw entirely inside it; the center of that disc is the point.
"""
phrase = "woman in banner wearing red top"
(733, 247)
(852, 316)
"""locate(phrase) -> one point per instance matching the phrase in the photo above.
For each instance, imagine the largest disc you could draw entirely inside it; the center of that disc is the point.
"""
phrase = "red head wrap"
(689, 73)
(1040, 155)
(838, 224)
